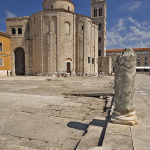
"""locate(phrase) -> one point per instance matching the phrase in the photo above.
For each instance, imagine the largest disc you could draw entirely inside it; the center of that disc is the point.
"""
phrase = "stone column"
(125, 72)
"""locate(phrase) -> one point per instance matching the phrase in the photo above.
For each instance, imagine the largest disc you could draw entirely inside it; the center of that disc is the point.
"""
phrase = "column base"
(127, 119)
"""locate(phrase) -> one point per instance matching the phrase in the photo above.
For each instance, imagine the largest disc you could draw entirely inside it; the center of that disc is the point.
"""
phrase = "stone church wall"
(52, 39)
(19, 40)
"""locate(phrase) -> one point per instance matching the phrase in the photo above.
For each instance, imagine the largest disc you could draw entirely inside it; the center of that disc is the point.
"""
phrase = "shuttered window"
(1, 47)
(1, 62)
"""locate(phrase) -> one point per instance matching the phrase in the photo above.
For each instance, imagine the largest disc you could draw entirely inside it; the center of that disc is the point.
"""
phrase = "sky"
(128, 21)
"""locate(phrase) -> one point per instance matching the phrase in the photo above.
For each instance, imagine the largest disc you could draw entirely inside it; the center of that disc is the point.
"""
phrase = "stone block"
(117, 142)
(70, 144)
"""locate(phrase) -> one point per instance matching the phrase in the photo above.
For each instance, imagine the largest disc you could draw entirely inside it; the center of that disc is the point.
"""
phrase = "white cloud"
(120, 26)
(133, 34)
(135, 5)
(135, 22)
(9, 14)
(130, 6)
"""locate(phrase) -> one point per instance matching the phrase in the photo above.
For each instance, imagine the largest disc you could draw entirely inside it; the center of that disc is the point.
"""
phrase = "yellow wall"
(5, 54)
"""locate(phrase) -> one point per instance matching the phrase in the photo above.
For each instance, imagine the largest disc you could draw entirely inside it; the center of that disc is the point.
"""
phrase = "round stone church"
(53, 40)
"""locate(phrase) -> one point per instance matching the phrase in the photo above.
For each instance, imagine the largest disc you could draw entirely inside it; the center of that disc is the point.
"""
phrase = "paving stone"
(90, 140)
(34, 114)
(117, 142)
(69, 144)
(118, 129)
(97, 148)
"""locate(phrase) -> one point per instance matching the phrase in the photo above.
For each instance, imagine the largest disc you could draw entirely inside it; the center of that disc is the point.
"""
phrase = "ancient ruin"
(125, 72)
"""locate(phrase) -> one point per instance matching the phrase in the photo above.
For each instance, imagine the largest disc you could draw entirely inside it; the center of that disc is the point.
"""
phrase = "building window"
(92, 60)
(68, 8)
(99, 40)
(1, 62)
(145, 63)
(138, 63)
(100, 26)
(138, 58)
(19, 31)
(145, 58)
(51, 6)
(1, 47)
(82, 27)
(95, 12)
(100, 12)
(99, 52)
(13, 31)
(112, 63)
(88, 59)
(112, 58)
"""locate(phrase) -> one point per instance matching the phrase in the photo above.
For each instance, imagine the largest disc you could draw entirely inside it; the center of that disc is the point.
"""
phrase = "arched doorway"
(19, 61)
(68, 65)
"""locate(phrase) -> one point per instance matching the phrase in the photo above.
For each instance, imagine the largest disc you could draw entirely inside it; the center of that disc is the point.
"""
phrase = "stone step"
(105, 92)
(96, 131)
(118, 137)
(95, 148)
(94, 134)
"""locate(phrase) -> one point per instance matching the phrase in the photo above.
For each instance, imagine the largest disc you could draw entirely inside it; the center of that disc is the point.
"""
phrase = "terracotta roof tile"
(4, 34)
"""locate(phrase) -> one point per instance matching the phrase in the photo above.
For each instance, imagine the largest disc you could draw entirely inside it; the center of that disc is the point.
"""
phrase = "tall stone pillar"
(125, 72)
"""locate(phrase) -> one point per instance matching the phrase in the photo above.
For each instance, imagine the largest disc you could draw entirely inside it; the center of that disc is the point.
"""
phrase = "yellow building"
(4, 54)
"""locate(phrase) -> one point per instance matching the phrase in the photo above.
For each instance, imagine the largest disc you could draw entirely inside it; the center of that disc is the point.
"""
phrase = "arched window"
(100, 26)
(88, 59)
(13, 30)
(100, 12)
(99, 52)
(35, 26)
(95, 12)
(19, 31)
(92, 60)
(67, 28)
(47, 25)
(82, 27)
(68, 7)
(99, 40)
(54, 25)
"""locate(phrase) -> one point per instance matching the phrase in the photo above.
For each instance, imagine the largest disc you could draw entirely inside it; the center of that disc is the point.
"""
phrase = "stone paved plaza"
(34, 115)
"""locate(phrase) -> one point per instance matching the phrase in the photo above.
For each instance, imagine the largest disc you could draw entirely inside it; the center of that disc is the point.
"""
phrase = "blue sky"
(128, 21)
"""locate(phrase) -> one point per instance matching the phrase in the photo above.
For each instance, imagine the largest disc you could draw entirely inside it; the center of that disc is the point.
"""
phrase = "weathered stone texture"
(125, 72)
(54, 38)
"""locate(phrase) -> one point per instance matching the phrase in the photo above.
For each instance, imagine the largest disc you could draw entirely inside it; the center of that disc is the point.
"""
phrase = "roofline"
(18, 18)
(100, 1)
(4, 34)
(67, 1)
(121, 50)
(62, 10)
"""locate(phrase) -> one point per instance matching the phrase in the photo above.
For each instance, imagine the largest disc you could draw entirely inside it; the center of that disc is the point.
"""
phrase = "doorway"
(68, 67)
(19, 61)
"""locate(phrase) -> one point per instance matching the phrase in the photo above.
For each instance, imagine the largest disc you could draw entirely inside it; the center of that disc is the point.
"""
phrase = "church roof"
(63, 0)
